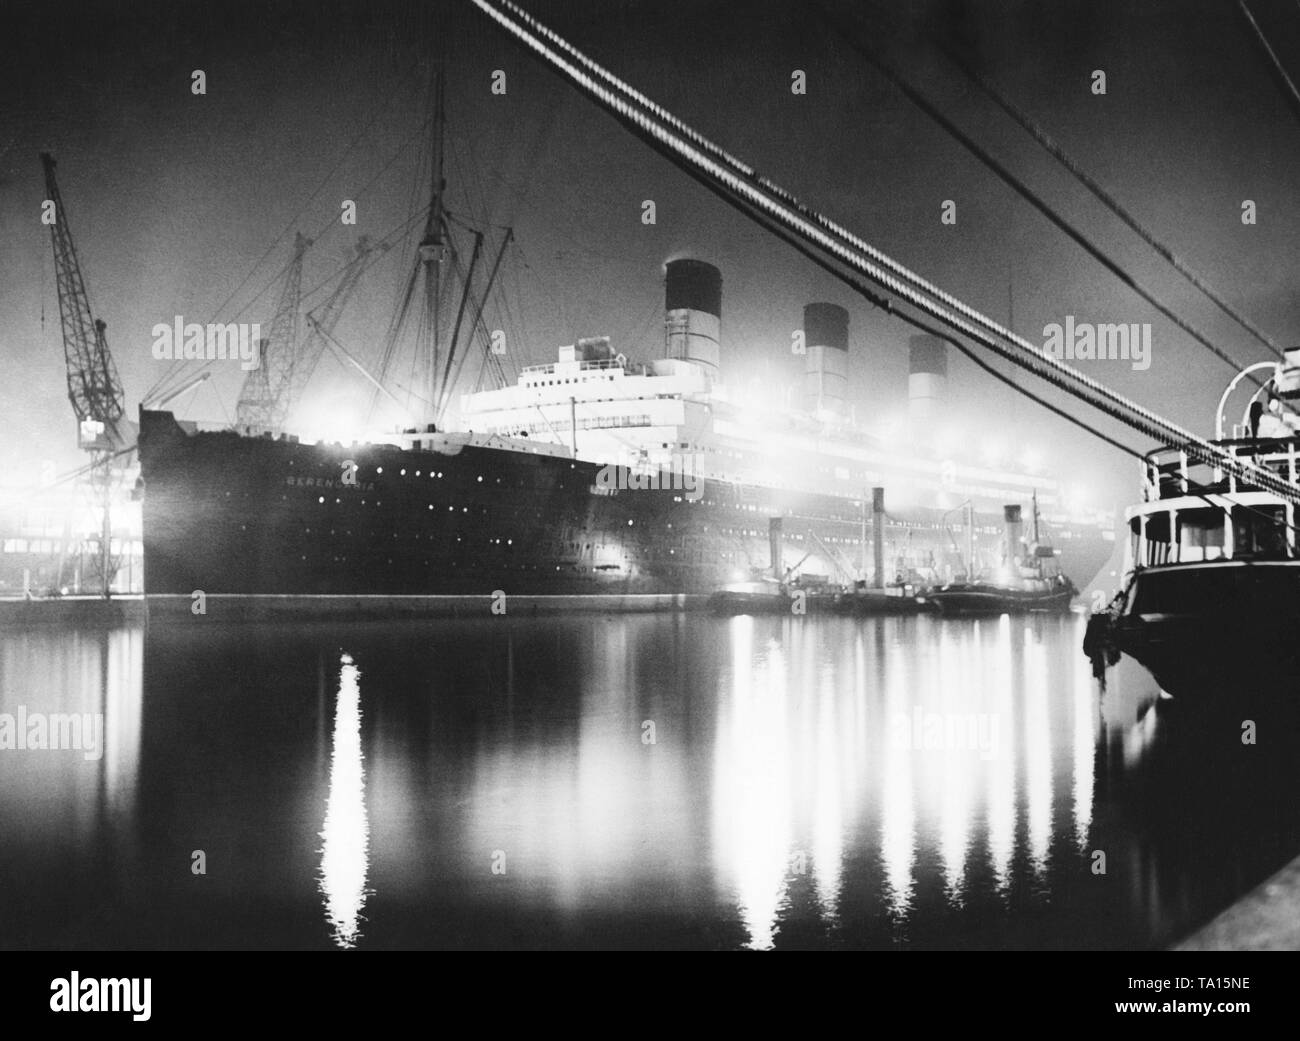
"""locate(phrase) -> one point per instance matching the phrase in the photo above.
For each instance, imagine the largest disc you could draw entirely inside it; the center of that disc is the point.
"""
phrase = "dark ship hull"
(234, 515)
(984, 598)
(229, 514)
(1213, 633)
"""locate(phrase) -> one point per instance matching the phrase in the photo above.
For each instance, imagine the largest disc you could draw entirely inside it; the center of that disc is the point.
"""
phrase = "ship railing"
(585, 366)
(1168, 472)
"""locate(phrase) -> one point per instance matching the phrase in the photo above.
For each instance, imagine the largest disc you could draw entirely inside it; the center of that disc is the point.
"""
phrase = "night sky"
(173, 198)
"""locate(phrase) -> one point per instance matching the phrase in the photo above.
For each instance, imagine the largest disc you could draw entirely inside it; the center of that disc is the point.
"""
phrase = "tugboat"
(1030, 579)
(764, 594)
(897, 598)
(759, 595)
(1210, 603)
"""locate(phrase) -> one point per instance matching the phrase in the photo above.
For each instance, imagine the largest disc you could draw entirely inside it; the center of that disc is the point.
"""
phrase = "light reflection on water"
(347, 831)
(615, 781)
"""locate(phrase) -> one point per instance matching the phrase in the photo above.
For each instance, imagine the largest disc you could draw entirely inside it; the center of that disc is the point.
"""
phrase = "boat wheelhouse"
(1194, 514)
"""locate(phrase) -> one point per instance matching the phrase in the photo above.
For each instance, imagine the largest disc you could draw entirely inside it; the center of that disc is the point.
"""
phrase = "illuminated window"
(1200, 534)
(1259, 531)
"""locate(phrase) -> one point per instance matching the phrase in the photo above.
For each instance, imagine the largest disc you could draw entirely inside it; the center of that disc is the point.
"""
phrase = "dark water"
(644, 781)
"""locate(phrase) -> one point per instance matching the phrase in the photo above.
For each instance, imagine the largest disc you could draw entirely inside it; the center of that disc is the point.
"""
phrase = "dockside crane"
(93, 384)
(322, 320)
(263, 403)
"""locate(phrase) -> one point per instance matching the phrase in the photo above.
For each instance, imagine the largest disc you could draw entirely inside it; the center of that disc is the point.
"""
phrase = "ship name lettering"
(322, 482)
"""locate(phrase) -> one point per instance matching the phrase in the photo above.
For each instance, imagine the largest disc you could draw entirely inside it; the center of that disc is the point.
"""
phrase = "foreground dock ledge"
(1265, 919)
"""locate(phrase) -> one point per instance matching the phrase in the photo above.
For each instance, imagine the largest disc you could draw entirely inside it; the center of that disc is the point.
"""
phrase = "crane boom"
(322, 320)
(261, 402)
(93, 385)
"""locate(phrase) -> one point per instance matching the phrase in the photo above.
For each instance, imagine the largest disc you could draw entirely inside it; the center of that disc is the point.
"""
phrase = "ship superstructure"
(675, 414)
(591, 474)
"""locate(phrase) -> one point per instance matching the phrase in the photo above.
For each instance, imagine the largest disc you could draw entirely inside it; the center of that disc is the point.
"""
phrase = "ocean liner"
(590, 475)
(593, 475)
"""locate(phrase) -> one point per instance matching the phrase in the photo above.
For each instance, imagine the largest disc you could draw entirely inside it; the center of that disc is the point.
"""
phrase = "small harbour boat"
(1210, 598)
(1030, 579)
(900, 598)
(765, 595)
(1015, 596)
(760, 596)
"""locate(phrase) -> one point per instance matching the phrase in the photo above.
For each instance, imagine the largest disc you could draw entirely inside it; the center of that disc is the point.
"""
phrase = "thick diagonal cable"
(697, 139)
(874, 265)
(1195, 489)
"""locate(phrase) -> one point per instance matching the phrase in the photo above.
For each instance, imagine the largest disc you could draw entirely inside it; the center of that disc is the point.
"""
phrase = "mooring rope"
(706, 158)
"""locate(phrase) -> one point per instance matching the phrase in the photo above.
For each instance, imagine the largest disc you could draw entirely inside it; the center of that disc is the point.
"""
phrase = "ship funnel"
(826, 337)
(1014, 530)
(693, 313)
(927, 380)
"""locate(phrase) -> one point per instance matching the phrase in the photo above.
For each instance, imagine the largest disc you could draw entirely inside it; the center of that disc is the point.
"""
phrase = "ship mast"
(434, 249)
(439, 353)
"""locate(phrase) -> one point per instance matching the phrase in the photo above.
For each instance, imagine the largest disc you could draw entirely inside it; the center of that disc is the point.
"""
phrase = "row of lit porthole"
(438, 474)
(418, 473)
(491, 542)
(373, 535)
(519, 567)
(379, 502)
(433, 474)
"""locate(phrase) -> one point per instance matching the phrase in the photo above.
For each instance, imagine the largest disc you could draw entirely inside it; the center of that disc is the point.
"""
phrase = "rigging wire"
(1280, 74)
(1016, 184)
(810, 227)
(380, 108)
(182, 373)
(720, 181)
(396, 322)
(488, 359)
(378, 251)
(1054, 149)
(178, 374)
